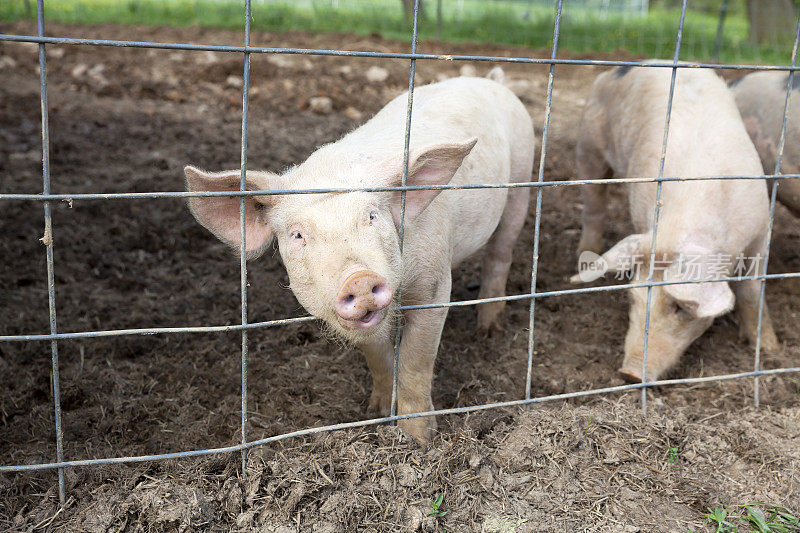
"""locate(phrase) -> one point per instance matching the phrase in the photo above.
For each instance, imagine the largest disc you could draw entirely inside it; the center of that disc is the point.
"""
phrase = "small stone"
(413, 519)
(280, 60)
(7, 62)
(207, 58)
(79, 70)
(28, 156)
(352, 113)
(469, 71)
(320, 104)
(520, 87)
(377, 74)
(408, 477)
(234, 81)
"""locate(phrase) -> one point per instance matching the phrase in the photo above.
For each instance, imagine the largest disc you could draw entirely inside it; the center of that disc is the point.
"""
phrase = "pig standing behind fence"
(706, 229)
(761, 97)
(341, 250)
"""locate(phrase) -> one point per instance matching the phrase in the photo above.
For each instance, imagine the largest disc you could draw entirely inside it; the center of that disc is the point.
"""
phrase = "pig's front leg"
(592, 166)
(380, 360)
(418, 349)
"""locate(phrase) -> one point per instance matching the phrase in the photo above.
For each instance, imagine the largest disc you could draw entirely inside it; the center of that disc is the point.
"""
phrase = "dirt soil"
(129, 120)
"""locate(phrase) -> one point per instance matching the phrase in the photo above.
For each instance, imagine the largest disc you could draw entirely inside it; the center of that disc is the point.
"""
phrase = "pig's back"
(704, 123)
(454, 110)
(706, 138)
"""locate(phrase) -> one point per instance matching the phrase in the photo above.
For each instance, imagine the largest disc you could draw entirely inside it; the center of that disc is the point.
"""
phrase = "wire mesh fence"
(539, 184)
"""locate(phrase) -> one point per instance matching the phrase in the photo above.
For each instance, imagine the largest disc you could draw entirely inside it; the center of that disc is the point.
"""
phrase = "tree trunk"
(408, 10)
(771, 21)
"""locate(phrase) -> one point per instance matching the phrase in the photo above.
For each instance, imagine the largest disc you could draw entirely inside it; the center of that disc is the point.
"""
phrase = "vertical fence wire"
(657, 207)
(242, 230)
(537, 224)
(773, 196)
(47, 240)
(401, 234)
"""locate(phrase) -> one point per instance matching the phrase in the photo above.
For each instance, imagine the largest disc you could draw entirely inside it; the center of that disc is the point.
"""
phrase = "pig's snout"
(363, 299)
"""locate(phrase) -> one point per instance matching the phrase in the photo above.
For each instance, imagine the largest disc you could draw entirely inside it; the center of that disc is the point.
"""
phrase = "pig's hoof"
(493, 329)
(770, 343)
(380, 404)
(630, 375)
(421, 429)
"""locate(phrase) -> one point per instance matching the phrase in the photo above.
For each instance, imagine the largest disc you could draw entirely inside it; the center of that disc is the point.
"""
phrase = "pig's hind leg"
(497, 260)
(748, 297)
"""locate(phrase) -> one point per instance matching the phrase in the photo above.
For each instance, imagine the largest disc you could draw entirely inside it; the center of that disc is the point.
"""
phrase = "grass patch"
(754, 517)
(513, 23)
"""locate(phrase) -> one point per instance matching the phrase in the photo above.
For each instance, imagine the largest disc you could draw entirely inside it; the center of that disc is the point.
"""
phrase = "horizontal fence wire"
(66, 197)
(458, 303)
(382, 55)
(386, 419)
(60, 464)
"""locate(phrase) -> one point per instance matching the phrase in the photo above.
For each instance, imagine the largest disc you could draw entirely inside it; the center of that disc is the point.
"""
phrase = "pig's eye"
(373, 215)
(296, 235)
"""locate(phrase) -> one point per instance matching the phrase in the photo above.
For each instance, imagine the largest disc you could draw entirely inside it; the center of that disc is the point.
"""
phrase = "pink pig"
(341, 250)
(704, 226)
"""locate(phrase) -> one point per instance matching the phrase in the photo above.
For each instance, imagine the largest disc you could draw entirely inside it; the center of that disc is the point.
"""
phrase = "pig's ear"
(220, 214)
(432, 165)
(622, 257)
(700, 299)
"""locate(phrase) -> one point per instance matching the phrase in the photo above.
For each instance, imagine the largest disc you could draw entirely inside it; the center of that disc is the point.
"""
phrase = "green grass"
(511, 23)
(754, 517)
(436, 510)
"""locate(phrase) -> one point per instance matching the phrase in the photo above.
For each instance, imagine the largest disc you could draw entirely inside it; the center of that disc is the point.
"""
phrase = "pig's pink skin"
(710, 222)
(464, 130)
(761, 97)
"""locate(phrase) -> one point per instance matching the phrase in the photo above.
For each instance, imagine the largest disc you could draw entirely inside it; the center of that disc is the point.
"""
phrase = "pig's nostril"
(375, 289)
(349, 298)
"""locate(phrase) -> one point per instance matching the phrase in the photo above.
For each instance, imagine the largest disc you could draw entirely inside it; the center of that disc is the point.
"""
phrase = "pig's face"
(679, 312)
(673, 327)
(341, 250)
(342, 254)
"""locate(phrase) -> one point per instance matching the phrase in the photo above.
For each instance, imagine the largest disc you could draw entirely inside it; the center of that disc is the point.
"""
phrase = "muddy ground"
(129, 120)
